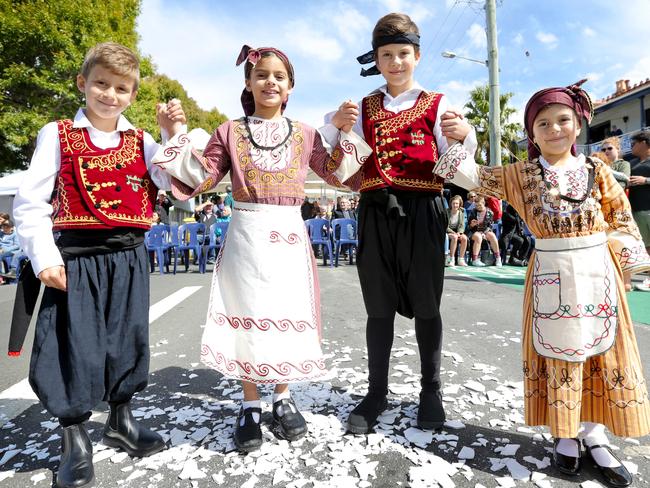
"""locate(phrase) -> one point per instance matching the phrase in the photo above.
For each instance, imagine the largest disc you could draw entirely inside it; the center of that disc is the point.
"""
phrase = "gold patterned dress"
(608, 388)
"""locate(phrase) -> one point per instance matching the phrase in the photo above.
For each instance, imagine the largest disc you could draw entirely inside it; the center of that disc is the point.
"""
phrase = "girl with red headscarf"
(263, 322)
(581, 364)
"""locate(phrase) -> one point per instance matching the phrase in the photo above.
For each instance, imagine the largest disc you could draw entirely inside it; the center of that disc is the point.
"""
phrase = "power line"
(433, 53)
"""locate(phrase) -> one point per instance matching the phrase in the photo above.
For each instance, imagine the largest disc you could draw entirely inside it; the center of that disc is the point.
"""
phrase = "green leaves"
(478, 115)
(42, 47)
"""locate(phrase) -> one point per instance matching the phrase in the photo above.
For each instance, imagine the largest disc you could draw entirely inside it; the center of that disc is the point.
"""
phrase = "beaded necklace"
(267, 148)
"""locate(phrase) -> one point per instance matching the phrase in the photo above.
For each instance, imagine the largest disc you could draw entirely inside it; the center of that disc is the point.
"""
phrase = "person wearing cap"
(162, 206)
(581, 363)
(402, 213)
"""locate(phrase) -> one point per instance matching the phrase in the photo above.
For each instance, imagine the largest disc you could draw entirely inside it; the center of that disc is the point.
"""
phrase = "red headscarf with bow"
(252, 56)
(572, 96)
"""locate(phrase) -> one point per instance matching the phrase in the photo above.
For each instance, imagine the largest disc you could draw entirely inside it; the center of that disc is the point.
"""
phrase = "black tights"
(379, 339)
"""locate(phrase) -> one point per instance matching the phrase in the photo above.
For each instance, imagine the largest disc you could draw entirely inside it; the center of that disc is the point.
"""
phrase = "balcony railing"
(624, 140)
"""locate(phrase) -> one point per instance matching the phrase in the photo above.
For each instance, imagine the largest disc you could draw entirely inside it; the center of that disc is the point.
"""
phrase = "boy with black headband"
(402, 218)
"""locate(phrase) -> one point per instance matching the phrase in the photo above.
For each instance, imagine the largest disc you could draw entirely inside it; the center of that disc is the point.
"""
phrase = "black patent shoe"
(123, 432)
(567, 464)
(76, 466)
(248, 437)
(364, 416)
(618, 476)
(431, 413)
(291, 424)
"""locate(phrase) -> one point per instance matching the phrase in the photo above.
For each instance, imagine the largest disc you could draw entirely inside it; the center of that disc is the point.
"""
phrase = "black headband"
(369, 57)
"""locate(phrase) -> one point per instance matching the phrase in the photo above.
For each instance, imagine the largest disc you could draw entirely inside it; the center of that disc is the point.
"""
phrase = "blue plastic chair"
(345, 233)
(319, 234)
(158, 244)
(216, 238)
(188, 241)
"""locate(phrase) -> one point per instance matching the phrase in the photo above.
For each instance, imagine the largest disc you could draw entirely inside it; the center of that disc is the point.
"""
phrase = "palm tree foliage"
(477, 114)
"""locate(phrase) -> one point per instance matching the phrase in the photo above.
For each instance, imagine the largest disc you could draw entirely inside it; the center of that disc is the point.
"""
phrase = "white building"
(627, 110)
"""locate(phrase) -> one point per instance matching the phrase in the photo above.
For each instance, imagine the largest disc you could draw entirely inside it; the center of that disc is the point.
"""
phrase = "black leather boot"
(364, 416)
(76, 466)
(431, 412)
(123, 432)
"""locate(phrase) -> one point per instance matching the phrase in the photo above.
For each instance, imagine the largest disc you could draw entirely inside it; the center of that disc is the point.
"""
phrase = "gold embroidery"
(403, 119)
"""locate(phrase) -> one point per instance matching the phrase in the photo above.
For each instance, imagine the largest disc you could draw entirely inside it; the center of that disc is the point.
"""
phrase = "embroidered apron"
(574, 297)
(263, 321)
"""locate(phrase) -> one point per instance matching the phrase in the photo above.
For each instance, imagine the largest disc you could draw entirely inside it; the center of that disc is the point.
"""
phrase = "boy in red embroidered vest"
(82, 212)
(402, 218)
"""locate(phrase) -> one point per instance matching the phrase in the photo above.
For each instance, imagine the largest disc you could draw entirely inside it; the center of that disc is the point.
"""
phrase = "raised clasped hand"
(346, 116)
(454, 126)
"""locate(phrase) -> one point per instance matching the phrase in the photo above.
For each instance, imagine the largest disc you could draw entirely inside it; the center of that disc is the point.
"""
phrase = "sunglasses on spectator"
(610, 148)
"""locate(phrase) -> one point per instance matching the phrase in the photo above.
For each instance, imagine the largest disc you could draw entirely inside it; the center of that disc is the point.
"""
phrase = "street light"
(450, 54)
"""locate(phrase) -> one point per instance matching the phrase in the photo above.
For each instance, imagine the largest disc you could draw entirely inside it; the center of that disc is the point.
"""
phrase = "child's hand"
(171, 116)
(54, 277)
(346, 116)
(454, 126)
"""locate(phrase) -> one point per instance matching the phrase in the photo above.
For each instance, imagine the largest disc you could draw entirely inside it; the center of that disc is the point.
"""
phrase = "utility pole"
(493, 67)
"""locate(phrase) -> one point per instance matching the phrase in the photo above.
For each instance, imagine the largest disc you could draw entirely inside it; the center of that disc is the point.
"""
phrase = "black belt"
(389, 198)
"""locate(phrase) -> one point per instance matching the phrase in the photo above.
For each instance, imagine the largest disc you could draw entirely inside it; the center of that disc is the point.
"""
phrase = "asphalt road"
(195, 407)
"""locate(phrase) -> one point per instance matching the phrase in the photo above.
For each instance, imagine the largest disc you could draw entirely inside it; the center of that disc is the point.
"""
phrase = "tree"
(42, 47)
(478, 109)
(156, 88)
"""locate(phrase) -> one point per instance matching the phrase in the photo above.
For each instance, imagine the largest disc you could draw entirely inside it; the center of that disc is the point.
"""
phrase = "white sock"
(568, 447)
(594, 435)
(256, 416)
(285, 395)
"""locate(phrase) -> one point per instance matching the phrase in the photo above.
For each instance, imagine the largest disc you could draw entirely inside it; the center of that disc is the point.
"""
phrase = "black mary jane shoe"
(291, 424)
(76, 467)
(122, 431)
(431, 413)
(364, 416)
(618, 476)
(248, 437)
(567, 464)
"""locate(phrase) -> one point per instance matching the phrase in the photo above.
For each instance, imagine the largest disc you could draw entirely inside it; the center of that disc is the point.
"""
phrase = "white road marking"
(19, 397)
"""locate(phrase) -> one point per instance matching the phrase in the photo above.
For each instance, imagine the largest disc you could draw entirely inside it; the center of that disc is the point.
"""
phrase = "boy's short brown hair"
(393, 24)
(115, 57)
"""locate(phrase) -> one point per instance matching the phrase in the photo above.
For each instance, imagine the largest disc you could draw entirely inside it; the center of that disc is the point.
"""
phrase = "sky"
(541, 43)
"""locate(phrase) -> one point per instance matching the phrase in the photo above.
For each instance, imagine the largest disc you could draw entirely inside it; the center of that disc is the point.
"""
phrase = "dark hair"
(642, 136)
(393, 24)
(248, 67)
(8, 223)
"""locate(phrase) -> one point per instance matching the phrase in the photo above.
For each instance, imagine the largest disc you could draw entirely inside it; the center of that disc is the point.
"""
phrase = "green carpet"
(513, 277)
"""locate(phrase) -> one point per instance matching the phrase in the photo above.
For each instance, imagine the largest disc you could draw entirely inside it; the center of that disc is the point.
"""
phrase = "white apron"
(263, 322)
(574, 297)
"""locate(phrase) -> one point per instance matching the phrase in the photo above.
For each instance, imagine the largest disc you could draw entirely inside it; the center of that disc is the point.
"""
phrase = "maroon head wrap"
(572, 96)
(252, 56)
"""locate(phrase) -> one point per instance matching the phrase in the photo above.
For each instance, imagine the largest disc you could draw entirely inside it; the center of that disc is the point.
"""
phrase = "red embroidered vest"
(405, 149)
(101, 188)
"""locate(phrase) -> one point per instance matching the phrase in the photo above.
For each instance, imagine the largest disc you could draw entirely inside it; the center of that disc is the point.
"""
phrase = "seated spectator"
(620, 168)
(3, 217)
(226, 214)
(9, 246)
(344, 212)
(469, 204)
(616, 131)
(155, 219)
(512, 234)
(480, 220)
(456, 231)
